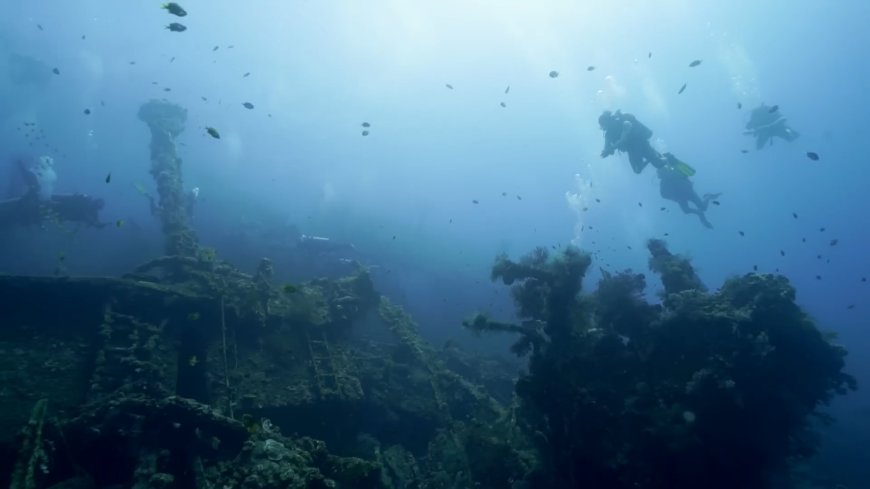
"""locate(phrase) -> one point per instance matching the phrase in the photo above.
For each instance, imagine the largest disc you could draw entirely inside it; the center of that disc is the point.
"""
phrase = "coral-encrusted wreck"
(188, 374)
(713, 390)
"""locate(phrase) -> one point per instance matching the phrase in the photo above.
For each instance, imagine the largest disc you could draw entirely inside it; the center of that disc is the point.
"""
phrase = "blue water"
(403, 194)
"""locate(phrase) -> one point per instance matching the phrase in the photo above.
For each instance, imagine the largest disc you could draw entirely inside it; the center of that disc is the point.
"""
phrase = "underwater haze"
(435, 135)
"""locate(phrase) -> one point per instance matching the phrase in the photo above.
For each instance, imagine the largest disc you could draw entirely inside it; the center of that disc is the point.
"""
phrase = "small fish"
(649, 55)
(84, 37)
(773, 109)
(366, 124)
(213, 132)
(172, 59)
(834, 242)
(132, 62)
(640, 204)
(716, 202)
(519, 197)
(503, 105)
(176, 27)
(818, 277)
(290, 289)
(475, 201)
(504, 194)
(739, 106)
(174, 9)
(598, 200)
(741, 233)
(248, 105)
(56, 71)
(803, 240)
(694, 63)
(794, 215)
(755, 268)
(850, 306)
(682, 89)
(215, 48)
(394, 237)
(119, 223)
(782, 253)
(590, 68)
(246, 75)
(39, 26)
(554, 74)
(61, 255)
(167, 89)
(204, 99)
(193, 361)
(821, 230)
(662, 208)
(863, 279)
(449, 86)
(813, 156)
(87, 111)
(109, 177)
(744, 151)
(507, 90)
(365, 133)
(194, 316)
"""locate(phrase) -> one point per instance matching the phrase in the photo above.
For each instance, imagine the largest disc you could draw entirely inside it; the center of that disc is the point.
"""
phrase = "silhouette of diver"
(39, 204)
(674, 185)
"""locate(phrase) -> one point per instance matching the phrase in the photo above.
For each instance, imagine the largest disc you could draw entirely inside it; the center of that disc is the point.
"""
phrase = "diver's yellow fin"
(684, 168)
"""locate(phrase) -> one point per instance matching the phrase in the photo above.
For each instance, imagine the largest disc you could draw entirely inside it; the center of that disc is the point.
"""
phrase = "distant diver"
(320, 245)
(675, 185)
(39, 203)
(765, 123)
(623, 132)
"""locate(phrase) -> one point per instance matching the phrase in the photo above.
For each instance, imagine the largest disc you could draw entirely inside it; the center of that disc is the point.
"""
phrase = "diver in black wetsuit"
(38, 204)
(676, 186)
(624, 132)
(767, 122)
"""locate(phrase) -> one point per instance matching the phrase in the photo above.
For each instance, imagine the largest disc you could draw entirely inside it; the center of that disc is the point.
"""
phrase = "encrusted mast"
(166, 121)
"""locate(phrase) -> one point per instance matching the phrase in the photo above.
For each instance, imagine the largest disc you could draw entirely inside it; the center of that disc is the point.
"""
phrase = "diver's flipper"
(680, 166)
(684, 168)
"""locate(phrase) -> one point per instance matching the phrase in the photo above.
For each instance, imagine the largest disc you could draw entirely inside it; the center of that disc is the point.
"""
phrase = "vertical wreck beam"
(166, 121)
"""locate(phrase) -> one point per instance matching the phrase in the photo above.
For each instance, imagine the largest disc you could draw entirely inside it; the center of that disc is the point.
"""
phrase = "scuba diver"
(318, 256)
(624, 132)
(765, 123)
(675, 185)
(319, 245)
(39, 203)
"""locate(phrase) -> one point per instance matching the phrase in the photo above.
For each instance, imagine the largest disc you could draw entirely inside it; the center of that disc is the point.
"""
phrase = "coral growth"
(166, 122)
(711, 390)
